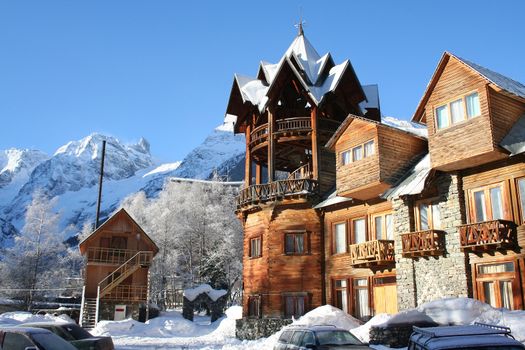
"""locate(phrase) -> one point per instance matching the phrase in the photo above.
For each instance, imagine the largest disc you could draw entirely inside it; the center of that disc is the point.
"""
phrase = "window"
(458, 110)
(341, 295)
(361, 298)
(359, 152)
(383, 227)
(521, 194)
(497, 283)
(488, 203)
(346, 157)
(254, 306)
(359, 230)
(16, 341)
(255, 247)
(119, 242)
(294, 243)
(428, 216)
(308, 339)
(340, 238)
(294, 305)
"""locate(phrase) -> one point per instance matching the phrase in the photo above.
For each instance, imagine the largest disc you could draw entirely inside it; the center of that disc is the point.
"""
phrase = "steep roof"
(514, 141)
(82, 244)
(317, 74)
(414, 180)
(509, 85)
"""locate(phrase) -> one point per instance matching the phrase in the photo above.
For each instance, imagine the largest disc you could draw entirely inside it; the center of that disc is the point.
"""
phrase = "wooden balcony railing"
(259, 134)
(423, 243)
(372, 253)
(487, 235)
(276, 190)
(128, 293)
(109, 255)
(303, 172)
(294, 124)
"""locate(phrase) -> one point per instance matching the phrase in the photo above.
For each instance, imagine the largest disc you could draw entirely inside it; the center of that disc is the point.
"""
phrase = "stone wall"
(255, 328)
(395, 336)
(428, 278)
(214, 307)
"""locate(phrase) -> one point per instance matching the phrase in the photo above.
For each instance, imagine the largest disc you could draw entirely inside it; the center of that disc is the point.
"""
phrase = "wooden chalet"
(116, 280)
(340, 207)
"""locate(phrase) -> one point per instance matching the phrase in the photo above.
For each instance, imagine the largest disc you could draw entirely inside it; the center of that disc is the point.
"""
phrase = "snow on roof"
(252, 90)
(405, 125)
(514, 141)
(214, 294)
(506, 83)
(413, 182)
(332, 199)
(331, 81)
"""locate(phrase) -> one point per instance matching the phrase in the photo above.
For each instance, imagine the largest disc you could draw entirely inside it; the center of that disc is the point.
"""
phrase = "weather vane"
(301, 23)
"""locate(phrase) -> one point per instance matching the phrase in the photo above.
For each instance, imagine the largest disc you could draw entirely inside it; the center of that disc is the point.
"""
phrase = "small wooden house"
(118, 255)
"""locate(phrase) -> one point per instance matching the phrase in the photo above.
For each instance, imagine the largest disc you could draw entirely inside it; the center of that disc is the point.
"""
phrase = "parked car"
(76, 335)
(476, 336)
(27, 338)
(318, 337)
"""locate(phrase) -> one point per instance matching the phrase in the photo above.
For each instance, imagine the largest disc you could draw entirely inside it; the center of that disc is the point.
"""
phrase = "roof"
(318, 75)
(332, 199)
(122, 211)
(388, 122)
(509, 85)
(514, 141)
(414, 180)
(209, 182)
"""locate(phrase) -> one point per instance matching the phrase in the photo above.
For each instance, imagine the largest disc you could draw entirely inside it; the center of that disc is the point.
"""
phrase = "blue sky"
(163, 69)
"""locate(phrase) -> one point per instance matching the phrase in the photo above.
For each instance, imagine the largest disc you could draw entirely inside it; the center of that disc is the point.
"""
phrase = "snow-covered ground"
(172, 331)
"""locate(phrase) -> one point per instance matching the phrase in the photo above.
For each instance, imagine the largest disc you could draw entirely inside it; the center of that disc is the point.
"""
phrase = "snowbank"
(18, 317)
(214, 294)
(328, 315)
(363, 332)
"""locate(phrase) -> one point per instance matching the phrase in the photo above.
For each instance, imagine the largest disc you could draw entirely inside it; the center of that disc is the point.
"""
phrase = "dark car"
(76, 335)
(27, 338)
(470, 337)
(318, 337)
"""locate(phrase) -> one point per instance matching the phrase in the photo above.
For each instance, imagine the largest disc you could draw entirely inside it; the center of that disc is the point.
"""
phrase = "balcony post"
(271, 146)
(248, 161)
(315, 153)
(258, 173)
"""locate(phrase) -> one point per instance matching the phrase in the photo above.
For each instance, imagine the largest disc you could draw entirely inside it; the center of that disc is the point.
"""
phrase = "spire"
(299, 25)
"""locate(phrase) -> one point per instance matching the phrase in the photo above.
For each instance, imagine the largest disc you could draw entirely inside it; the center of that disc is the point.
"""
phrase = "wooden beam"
(315, 150)
(258, 173)
(248, 160)
(271, 146)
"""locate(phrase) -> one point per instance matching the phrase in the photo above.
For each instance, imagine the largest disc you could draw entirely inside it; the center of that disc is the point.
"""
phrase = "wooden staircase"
(88, 318)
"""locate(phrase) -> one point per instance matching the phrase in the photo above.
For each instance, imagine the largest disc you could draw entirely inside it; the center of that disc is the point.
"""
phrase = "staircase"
(89, 313)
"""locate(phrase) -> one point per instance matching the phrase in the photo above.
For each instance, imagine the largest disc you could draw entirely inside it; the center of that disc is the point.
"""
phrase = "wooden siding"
(468, 143)
(275, 272)
(504, 112)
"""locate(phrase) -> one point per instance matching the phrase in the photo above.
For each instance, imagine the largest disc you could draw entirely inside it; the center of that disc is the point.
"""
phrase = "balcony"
(128, 293)
(423, 243)
(109, 255)
(276, 190)
(284, 128)
(487, 235)
(372, 253)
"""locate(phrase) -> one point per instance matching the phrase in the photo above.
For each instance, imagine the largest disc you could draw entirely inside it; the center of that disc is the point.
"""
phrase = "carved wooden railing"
(259, 134)
(303, 172)
(128, 293)
(124, 271)
(372, 253)
(293, 124)
(487, 235)
(276, 190)
(423, 243)
(108, 255)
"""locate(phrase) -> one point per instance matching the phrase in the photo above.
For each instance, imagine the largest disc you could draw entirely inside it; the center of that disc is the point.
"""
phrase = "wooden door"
(385, 295)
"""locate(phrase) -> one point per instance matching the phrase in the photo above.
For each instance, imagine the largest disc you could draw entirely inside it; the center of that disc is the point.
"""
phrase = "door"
(385, 295)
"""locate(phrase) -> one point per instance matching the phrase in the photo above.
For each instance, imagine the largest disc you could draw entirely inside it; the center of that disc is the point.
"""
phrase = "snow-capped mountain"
(72, 174)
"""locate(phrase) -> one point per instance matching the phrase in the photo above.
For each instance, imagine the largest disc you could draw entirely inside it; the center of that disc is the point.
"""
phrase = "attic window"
(457, 111)
(358, 152)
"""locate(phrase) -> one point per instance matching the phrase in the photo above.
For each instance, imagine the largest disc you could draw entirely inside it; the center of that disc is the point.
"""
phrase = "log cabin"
(118, 255)
(342, 208)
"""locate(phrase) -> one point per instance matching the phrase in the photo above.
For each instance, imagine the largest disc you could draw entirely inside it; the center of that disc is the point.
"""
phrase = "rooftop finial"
(301, 23)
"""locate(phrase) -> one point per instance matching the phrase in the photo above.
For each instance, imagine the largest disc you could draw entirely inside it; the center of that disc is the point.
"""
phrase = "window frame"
(431, 203)
(334, 237)
(346, 289)
(352, 230)
(259, 245)
(295, 296)
(257, 298)
(521, 199)
(383, 215)
(513, 277)
(505, 205)
(447, 105)
(306, 242)
(361, 146)
(353, 299)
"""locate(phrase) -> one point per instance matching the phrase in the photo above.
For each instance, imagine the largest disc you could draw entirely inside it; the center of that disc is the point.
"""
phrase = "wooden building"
(340, 207)
(116, 280)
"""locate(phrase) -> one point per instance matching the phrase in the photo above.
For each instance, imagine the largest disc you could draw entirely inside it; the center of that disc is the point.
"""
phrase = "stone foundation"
(255, 328)
(395, 336)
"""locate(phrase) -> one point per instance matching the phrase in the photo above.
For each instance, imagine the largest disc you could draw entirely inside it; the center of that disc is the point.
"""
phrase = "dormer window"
(358, 152)
(458, 111)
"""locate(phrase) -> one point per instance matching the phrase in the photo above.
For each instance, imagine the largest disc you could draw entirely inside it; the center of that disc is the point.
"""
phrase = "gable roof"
(317, 74)
(122, 211)
(509, 85)
(514, 141)
(414, 181)
(387, 122)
